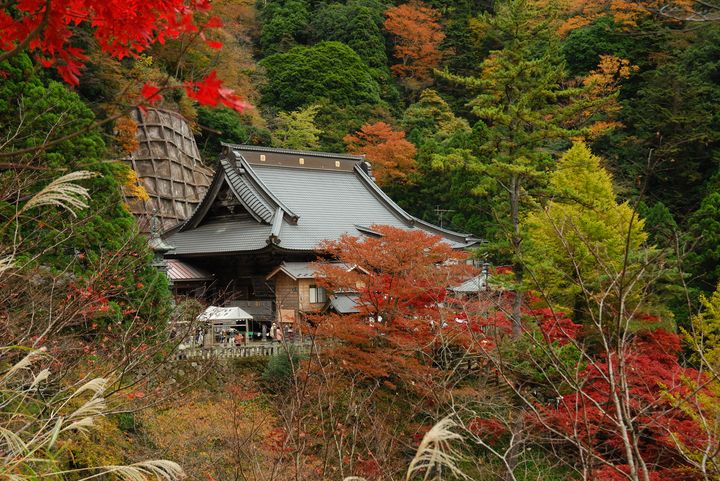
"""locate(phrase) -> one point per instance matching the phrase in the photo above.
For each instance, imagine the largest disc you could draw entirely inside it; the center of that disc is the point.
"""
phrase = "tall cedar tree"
(530, 110)
(417, 36)
(392, 156)
(400, 279)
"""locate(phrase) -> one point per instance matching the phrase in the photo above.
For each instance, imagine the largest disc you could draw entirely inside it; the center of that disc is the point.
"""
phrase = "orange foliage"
(392, 156)
(417, 40)
(400, 280)
(604, 83)
(609, 72)
(212, 436)
(126, 134)
(623, 12)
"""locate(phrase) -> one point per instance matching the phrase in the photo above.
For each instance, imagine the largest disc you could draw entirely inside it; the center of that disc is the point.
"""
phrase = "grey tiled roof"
(472, 285)
(294, 208)
(296, 270)
(345, 303)
(328, 204)
(221, 236)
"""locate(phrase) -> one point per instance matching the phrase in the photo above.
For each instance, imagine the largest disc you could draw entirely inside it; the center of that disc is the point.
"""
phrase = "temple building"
(252, 238)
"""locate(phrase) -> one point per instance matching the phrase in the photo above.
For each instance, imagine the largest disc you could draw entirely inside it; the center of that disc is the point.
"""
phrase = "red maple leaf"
(151, 93)
(210, 91)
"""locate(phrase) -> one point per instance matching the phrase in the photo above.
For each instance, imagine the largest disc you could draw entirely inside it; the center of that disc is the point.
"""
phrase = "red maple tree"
(47, 30)
(399, 281)
(418, 35)
(619, 408)
(625, 400)
(392, 156)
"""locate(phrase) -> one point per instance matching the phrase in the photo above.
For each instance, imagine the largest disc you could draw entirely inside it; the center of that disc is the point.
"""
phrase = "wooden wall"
(304, 288)
(286, 292)
(291, 294)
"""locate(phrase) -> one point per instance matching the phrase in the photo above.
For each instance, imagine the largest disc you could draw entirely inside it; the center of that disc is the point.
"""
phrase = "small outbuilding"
(225, 323)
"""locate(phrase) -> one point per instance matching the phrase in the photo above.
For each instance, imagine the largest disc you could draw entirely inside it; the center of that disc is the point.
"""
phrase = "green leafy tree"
(671, 114)
(102, 238)
(226, 125)
(583, 47)
(432, 116)
(705, 227)
(335, 121)
(581, 235)
(442, 189)
(358, 24)
(659, 223)
(530, 112)
(460, 39)
(284, 24)
(297, 130)
(328, 70)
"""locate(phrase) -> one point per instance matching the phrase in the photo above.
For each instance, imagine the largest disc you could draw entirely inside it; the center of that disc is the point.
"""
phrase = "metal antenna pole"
(441, 213)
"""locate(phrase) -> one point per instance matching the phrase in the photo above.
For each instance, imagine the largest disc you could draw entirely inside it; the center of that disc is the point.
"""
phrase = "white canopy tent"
(223, 320)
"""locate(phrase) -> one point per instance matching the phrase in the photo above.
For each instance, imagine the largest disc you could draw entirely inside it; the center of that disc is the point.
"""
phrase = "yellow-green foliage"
(702, 405)
(582, 233)
(705, 337)
(297, 129)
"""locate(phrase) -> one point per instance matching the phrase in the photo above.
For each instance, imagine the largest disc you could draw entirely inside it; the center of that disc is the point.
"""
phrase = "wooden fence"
(233, 352)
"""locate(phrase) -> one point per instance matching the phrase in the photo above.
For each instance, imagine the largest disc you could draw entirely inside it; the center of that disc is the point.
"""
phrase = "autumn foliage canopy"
(399, 280)
(48, 30)
(417, 40)
(392, 156)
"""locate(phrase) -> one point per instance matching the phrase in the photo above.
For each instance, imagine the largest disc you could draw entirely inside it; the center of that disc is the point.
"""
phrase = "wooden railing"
(246, 350)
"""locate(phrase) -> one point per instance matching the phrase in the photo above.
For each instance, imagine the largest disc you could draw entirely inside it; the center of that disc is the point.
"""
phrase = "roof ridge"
(412, 220)
(468, 237)
(263, 187)
(309, 153)
(241, 189)
(377, 191)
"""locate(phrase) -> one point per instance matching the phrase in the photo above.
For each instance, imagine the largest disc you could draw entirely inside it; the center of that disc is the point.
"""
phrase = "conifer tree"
(532, 109)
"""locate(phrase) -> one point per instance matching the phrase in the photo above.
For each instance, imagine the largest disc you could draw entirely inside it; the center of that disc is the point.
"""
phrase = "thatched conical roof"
(168, 164)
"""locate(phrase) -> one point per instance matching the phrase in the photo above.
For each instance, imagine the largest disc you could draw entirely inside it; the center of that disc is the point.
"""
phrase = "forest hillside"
(577, 142)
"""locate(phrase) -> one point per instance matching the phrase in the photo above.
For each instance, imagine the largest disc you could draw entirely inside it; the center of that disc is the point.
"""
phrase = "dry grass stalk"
(434, 455)
(30, 425)
(63, 192)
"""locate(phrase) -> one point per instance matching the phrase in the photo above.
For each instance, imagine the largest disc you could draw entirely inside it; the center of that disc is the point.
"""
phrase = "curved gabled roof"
(247, 188)
(295, 205)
